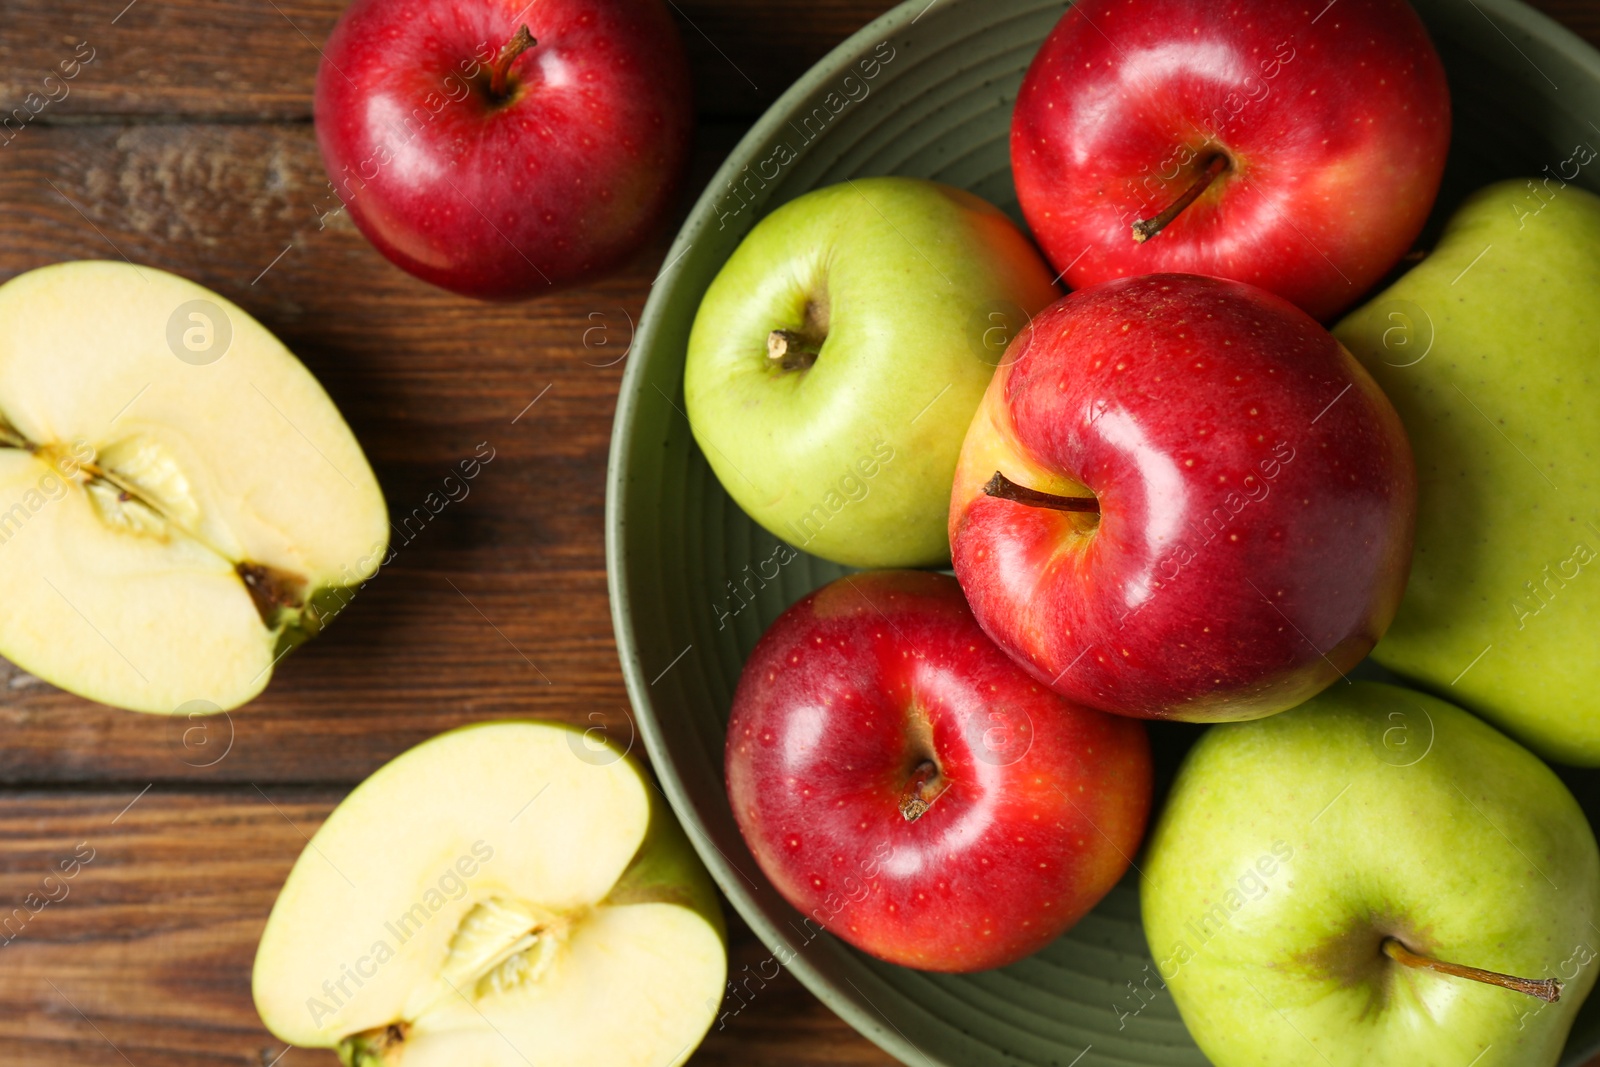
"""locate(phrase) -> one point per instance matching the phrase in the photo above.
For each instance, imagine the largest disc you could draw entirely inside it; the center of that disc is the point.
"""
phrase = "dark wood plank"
(257, 59)
(146, 949)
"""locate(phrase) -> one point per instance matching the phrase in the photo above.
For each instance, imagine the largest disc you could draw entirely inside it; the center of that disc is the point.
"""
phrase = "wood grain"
(143, 952)
(185, 143)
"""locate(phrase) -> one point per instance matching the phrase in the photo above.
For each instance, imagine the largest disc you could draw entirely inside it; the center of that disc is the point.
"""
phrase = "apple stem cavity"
(273, 591)
(1004, 488)
(1545, 989)
(791, 351)
(1145, 229)
(926, 786)
(520, 42)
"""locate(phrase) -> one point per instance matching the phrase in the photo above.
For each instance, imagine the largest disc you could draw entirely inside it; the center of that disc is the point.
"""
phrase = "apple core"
(500, 945)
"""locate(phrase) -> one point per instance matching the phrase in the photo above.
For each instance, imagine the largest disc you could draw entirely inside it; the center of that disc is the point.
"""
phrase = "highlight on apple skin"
(501, 150)
(1248, 497)
(1313, 144)
(908, 788)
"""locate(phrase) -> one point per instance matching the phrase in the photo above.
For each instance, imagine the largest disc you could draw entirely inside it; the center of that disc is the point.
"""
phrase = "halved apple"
(180, 502)
(497, 897)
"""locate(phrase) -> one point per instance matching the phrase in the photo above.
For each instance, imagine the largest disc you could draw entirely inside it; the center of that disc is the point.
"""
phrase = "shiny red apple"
(500, 148)
(1181, 498)
(1312, 138)
(907, 787)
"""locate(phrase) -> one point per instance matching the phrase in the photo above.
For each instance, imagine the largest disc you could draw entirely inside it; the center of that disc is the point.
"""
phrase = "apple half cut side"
(180, 502)
(503, 895)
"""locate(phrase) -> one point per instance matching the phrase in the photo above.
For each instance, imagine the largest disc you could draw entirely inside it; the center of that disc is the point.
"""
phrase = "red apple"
(1181, 498)
(905, 785)
(1316, 136)
(496, 167)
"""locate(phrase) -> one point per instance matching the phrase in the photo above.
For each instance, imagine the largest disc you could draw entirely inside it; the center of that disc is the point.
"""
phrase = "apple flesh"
(500, 896)
(1313, 139)
(839, 354)
(180, 502)
(499, 165)
(1249, 492)
(1311, 872)
(907, 787)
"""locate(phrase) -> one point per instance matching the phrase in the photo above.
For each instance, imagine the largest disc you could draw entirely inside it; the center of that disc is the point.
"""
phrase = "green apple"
(503, 895)
(838, 357)
(1374, 879)
(180, 502)
(1489, 349)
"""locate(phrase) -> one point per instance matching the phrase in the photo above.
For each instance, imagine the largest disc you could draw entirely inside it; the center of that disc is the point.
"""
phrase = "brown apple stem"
(1006, 489)
(924, 788)
(1145, 229)
(1546, 989)
(791, 351)
(520, 42)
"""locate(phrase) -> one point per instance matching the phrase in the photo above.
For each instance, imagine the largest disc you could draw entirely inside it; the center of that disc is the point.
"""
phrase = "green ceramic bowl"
(939, 107)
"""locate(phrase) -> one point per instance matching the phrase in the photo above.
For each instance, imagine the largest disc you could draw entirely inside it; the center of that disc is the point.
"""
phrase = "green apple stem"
(520, 42)
(1546, 989)
(925, 787)
(1006, 489)
(1145, 229)
(790, 350)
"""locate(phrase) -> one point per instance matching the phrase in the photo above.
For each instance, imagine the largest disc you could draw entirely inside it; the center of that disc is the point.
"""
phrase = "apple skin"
(1238, 453)
(1489, 348)
(851, 459)
(1289, 848)
(845, 695)
(1336, 126)
(559, 184)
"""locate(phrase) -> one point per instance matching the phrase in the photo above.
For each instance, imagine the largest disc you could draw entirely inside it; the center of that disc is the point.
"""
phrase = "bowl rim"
(852, 1007)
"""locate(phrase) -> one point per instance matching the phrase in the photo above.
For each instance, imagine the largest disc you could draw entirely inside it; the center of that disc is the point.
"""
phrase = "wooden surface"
(186, 143)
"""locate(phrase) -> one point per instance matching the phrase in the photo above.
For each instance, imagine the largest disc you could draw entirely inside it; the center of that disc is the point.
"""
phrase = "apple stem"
(1546, 989)
(1006, 489)
(1145, 229)
(791, 351)
(520, 42)
(925, 787)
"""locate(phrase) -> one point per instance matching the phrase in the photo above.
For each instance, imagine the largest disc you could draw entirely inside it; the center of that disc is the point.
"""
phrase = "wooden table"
(187, 143)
